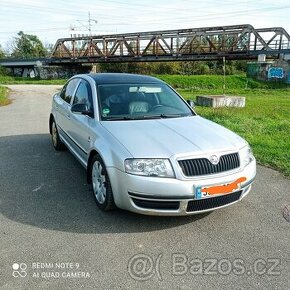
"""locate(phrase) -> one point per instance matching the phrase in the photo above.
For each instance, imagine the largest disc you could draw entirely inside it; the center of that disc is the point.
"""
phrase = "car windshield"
(140, 101)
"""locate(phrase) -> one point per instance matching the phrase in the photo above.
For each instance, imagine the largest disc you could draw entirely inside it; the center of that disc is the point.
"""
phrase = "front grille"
(213, 202)
(154, 204)
(202, 166)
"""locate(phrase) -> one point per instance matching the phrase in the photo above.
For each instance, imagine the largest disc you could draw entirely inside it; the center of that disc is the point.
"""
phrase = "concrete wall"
(270, 71)
(48, 72)
(58, 72)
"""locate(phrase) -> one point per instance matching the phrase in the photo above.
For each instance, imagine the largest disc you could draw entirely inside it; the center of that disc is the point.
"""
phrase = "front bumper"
(172, 197)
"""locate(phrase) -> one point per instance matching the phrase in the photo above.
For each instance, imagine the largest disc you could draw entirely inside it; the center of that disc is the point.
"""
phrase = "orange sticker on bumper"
(223, 189)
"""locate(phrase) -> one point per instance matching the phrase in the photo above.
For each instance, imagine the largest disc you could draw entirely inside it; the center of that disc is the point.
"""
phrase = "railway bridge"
(207, 43)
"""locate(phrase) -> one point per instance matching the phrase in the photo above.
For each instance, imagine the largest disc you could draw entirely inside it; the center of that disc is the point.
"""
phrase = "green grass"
(4, 100)
(264, 122)
(193, 82)
(8, 80)
(215, 82)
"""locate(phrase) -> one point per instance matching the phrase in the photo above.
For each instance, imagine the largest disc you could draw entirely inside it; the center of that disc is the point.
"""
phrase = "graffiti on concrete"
(276, 72)
(253, 69)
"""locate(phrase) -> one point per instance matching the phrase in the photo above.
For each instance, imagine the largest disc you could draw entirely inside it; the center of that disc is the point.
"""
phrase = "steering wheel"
(156, 106)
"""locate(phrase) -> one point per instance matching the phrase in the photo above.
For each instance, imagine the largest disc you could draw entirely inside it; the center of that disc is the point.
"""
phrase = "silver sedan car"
(145, 149)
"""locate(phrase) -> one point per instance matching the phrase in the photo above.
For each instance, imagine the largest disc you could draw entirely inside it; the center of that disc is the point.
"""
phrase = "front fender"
(112, 152)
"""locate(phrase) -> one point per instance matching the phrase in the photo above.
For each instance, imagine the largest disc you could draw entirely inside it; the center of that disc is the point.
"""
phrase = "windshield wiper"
(171, 115)
(142, 117)
(161, 116)
(118, 118)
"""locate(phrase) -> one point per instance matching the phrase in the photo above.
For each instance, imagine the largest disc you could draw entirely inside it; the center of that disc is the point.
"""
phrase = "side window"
(83, 95)
(68, 90)
(62, 93)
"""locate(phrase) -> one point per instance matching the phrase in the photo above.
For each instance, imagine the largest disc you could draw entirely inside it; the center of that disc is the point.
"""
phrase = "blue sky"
(53, 19)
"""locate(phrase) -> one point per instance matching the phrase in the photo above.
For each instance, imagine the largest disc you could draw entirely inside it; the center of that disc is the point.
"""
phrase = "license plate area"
(217, 190)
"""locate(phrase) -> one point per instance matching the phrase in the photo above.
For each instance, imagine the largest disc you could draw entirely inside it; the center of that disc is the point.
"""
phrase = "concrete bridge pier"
(41, 68)
(61, 72)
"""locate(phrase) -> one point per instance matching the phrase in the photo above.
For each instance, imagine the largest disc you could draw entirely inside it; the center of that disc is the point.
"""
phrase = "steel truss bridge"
(208, 43)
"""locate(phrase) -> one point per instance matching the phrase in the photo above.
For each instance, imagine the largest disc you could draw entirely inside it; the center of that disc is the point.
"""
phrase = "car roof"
(121, 78)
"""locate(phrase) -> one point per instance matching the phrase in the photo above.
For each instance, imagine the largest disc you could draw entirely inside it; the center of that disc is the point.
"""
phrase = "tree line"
(176, 67)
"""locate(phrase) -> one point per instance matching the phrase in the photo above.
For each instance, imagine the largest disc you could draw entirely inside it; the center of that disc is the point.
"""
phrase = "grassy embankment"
(4, 100)
(8, 80)
(264, 122)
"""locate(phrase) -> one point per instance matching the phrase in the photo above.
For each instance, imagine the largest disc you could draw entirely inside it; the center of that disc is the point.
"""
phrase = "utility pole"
(224, 70)
(88, 26)
(90, 23)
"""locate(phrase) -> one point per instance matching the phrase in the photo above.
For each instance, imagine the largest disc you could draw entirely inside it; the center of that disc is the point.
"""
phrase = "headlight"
(149, 167)
(246, 155)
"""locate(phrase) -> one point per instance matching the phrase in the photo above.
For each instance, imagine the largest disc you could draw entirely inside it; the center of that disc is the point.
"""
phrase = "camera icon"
(19, 270)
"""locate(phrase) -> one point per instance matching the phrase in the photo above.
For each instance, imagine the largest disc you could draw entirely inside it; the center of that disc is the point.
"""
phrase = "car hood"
(163, 138)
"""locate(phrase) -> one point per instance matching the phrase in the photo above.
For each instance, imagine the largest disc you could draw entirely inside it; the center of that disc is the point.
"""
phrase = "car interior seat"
(138, 107)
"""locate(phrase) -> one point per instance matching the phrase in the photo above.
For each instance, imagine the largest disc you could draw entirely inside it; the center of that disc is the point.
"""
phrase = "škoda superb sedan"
(145, 149)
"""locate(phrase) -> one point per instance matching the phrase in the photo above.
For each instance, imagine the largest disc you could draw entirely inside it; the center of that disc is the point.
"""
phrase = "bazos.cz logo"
(19, 270)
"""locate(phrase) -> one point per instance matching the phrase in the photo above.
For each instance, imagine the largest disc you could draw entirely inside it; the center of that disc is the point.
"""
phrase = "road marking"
(38, 188)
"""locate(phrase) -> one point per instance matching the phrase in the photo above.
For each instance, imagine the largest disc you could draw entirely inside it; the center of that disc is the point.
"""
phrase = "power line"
(71, 12)
(213, 15)
(77, 10)
(38, 30)
(135, 19)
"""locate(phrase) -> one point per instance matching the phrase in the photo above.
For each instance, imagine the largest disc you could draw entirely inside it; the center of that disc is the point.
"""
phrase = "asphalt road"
(52, 235)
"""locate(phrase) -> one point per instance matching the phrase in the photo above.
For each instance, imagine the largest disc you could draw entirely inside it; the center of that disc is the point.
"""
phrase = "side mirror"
(191, 103)
(82, 109)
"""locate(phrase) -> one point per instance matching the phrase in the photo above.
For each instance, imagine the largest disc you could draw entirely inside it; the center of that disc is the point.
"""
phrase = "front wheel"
(101, 185)
(57, 144)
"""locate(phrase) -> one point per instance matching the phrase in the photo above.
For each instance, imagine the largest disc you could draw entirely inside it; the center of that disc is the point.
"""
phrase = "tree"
(2, 53)
(27, 46)
(48, 48)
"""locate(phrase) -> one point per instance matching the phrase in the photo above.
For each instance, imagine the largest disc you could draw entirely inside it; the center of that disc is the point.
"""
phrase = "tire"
(101, 185)
(56, 142)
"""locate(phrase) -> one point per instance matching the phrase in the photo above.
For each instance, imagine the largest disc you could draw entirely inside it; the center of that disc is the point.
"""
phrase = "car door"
(63, 108)
(79, 124)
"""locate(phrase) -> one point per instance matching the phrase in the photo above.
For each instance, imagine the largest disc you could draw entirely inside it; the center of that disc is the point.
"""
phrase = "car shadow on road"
(47, 189)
